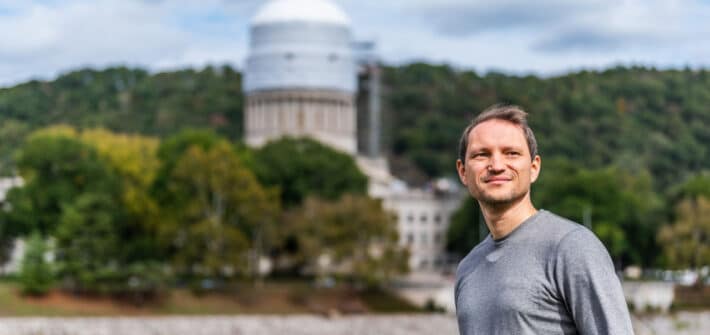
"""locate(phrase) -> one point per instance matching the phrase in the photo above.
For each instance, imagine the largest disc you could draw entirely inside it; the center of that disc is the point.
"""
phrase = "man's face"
(498, 169)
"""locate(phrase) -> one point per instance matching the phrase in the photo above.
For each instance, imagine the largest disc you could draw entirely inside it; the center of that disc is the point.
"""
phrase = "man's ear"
(535, 168)
(461, 169)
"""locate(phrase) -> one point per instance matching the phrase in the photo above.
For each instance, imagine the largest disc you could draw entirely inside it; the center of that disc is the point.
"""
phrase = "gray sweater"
(548, 276)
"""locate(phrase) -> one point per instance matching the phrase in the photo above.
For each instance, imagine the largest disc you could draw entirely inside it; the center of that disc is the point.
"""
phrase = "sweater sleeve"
(589, 286)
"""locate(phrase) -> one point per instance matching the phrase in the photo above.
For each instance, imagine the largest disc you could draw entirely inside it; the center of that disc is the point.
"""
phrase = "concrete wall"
(649, 296)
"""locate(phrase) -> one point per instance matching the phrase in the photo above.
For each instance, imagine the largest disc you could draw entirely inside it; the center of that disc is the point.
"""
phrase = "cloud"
(47, 38)
(44, 37)
(651, 25)
(462, 18)
(555, 26)
(593, 40)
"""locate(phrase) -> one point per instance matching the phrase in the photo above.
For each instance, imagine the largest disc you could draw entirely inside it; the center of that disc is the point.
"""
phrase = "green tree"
(89, 191)
(303, 167)
(12, 132)
(96, 252)
(89, 245)
(171, 150)
(56, 170)
(36, 275)
(686, 242)
(354, 236)
(616, 205)
(219, 213)
(697, 185)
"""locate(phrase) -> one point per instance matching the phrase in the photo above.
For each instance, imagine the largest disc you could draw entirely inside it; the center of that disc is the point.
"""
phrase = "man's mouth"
(497, 180)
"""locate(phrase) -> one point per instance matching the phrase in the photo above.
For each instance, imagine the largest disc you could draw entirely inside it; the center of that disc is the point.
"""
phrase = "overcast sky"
(43, 38)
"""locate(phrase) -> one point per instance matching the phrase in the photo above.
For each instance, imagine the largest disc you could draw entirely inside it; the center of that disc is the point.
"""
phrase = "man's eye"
(513, 153)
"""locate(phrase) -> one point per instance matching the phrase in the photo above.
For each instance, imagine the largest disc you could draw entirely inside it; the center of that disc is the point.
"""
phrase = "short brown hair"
(510, 113)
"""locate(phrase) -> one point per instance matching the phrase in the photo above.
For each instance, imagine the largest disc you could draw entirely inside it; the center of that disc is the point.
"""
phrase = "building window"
(422, 218)
(410, 238)
(437, 238)
(410, 218)
(424, 239)
(437, 218)
(423, 264)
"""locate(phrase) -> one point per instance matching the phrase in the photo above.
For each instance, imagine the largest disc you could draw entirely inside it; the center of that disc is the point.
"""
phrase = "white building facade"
(423, 219)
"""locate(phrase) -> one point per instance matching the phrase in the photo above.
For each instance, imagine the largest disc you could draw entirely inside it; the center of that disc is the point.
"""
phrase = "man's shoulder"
(570, 239)
(551, 234)
(554, 227)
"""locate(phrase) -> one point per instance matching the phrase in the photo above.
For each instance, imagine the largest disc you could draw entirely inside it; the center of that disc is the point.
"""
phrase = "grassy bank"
(268, 298)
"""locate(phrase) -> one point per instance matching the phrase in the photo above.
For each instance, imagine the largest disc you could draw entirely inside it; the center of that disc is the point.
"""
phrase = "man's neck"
(501, 220)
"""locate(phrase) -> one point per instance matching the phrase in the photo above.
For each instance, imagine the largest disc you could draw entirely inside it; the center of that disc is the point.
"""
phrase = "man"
(536, 273)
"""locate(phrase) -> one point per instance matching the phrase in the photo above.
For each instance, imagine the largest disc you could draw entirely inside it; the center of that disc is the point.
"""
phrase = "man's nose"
(496, 163)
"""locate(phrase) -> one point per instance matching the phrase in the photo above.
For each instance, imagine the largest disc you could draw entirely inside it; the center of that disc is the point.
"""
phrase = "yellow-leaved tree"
(686, 242)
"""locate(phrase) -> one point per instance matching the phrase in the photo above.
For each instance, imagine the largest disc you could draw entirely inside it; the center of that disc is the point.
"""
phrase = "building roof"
(321, 11)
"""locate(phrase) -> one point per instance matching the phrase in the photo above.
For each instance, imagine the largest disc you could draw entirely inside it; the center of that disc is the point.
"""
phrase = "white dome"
(322, 11)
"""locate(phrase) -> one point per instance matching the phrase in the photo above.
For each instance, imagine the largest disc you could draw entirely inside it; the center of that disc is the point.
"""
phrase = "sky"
(40, 39)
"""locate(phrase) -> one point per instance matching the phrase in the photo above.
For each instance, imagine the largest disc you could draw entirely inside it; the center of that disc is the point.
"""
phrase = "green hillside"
(635, 118)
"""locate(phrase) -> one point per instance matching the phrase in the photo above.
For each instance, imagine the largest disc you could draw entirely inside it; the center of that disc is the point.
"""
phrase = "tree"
(303, 167)
(697, 185)
(36, 275)
(12, 132)
(134, 160)
(354, 236)
(57, 170)
(96, 252)
(171, 150)
(89, 245)
(90, 192)
(686, 242)
(219, 212)
(617, 206)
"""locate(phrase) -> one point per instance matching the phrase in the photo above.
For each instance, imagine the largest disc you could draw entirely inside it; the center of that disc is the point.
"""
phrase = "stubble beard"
(499, 201)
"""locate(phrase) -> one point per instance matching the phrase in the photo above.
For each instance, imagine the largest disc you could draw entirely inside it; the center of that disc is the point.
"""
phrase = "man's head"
(510, 113)
(498, 156)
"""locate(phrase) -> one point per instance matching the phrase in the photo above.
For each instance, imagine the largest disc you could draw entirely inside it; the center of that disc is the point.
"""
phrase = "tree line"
(132, 215)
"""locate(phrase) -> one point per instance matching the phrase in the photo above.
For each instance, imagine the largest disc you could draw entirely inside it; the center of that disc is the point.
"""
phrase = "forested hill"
(123, 100)
(635, 118)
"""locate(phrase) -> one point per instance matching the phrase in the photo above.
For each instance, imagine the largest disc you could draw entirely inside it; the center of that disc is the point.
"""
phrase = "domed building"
(300, 77)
